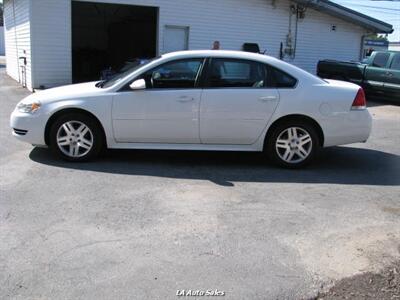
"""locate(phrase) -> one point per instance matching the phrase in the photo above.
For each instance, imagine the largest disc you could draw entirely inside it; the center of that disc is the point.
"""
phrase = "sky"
(386, 11)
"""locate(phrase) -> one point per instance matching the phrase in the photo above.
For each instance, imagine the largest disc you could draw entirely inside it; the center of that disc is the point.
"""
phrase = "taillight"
(359, 102)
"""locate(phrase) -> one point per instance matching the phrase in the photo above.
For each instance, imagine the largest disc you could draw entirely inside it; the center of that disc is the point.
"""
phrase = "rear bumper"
(28, 128)
(352, 127)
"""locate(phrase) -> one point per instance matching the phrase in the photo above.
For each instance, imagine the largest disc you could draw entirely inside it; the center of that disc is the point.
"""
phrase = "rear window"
(380, 60)
(395, 62)
(236, 73)
(280, 79)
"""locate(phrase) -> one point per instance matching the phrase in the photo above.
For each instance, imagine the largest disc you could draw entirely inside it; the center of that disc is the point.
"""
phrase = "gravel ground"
(144, 224)
(384, 285)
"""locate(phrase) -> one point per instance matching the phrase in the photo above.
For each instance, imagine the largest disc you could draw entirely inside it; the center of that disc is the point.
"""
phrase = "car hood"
(72, 91)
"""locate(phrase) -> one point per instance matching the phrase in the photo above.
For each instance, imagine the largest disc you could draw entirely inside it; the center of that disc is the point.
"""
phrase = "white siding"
(51, 29)
(232, 22)
(18, 38)
(2, 41)
(395, 46)
(317, 41)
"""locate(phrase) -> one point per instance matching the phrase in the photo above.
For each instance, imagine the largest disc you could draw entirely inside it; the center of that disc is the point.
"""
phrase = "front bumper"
(28, 128)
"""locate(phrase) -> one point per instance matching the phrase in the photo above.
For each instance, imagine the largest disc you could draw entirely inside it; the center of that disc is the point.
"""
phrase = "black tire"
(94, 132)
(271, 141)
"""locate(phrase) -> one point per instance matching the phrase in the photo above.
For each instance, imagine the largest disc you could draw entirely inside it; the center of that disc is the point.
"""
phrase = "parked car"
(379, 75)
(198, 100)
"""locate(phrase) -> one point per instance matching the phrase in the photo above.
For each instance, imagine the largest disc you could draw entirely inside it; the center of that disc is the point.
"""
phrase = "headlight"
(28, 107)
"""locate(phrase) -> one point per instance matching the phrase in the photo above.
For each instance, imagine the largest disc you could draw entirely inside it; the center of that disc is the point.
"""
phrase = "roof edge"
(348, 14)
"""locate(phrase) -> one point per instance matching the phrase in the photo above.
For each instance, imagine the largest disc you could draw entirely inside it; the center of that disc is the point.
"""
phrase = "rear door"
(375, 74)
(392, 84)
(236, 103)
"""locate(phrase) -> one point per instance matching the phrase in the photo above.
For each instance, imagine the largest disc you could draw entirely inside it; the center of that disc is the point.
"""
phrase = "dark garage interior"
(108, 36)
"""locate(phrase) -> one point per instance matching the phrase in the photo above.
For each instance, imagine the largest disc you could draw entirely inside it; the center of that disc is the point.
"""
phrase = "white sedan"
(198, 100)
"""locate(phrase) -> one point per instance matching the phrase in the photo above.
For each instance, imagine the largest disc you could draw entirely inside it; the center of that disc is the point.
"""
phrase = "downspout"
(32, 60)
(289, 37)
(296, 33)
(16, 42)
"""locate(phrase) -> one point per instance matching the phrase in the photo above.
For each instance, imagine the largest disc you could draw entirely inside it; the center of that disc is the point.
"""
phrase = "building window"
(176, 38)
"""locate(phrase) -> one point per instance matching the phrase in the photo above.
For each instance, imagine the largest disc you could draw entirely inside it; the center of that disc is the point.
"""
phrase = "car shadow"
(336, 165)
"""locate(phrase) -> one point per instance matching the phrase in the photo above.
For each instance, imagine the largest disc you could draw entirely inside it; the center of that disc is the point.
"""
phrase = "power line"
(371, 6)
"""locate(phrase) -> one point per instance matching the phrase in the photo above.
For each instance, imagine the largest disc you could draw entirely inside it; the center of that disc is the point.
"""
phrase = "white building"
(394, 46)
(56, 42)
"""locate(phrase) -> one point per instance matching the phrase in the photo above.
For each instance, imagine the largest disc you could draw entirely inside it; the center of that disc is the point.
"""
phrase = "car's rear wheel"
(293, 144)
(76, 137)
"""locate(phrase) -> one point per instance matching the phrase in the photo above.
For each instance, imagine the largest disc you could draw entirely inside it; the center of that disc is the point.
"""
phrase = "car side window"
(395, 65)
(235, 73)
(380, 60)
(180, 74)
(280, 79)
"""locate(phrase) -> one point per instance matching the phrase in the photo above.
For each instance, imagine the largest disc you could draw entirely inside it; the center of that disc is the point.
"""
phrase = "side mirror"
(139, 84)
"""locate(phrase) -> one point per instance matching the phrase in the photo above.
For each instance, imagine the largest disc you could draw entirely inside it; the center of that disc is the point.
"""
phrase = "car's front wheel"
(76, 137)
(293, 144)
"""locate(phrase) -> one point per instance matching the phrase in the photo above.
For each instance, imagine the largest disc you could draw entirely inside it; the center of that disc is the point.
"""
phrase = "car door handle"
(268, 98)
(185, 99)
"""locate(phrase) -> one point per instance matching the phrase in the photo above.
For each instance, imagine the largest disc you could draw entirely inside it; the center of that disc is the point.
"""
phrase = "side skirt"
(191, 147)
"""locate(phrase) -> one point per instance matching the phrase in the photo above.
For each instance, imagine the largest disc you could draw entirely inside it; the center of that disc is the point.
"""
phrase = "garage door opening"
(109, 37)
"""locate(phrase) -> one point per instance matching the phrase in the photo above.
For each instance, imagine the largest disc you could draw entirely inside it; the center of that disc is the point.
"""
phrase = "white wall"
(317, 41)
(232, 22)
(18, 38)
(2, 41)
(394, 46)
(51, 29)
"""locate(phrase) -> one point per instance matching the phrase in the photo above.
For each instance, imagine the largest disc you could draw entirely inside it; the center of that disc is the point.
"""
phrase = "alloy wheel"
(74, 139)
(294, 145)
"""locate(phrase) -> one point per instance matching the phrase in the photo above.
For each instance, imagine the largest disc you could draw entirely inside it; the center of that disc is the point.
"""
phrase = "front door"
(375, 74)
(392, 83)
(236, 102)
(166, 111)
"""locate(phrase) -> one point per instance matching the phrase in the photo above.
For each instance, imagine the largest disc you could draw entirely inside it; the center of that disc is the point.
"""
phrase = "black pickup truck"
(379, 75)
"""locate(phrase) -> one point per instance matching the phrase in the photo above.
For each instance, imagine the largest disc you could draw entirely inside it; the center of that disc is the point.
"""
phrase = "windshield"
(125, 71)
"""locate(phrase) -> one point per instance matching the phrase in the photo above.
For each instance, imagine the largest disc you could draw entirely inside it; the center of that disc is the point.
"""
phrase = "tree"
(378, 37)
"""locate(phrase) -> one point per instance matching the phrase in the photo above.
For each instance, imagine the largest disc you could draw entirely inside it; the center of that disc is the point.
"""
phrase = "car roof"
(224, 54)
(214, 53)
